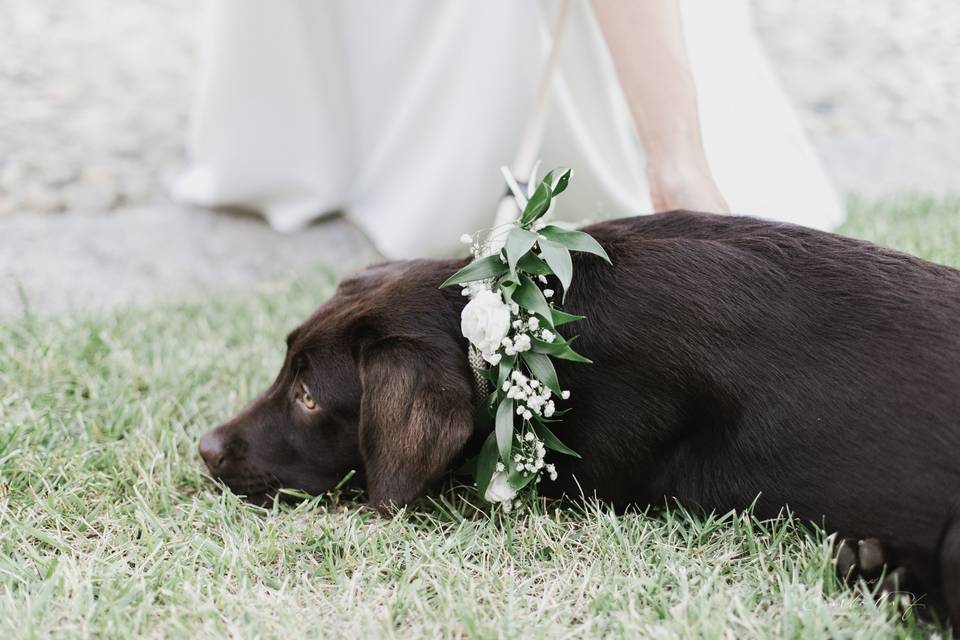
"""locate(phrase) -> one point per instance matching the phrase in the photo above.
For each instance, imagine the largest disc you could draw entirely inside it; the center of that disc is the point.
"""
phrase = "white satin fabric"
(400, 114)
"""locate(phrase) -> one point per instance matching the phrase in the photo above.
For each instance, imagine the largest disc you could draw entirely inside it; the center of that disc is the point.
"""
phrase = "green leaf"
(506, 365)
(574, 240)
(531, 263)
(518, 243)
(517, 481)
(558, 258)
(504, 429)
(559, 345)
(507, 287)
(561, 317)
(529, 296)
(480, 269)
(542, 369)
(560, 350)
(486, 373)
(550, 441)
(487, 463)
(562, 182)
(537, 205)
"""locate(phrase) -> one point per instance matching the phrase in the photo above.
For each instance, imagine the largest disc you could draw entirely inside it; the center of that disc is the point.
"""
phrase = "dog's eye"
(306, 398)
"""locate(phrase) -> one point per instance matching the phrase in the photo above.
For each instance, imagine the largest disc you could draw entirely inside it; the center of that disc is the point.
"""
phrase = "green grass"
(108, 527)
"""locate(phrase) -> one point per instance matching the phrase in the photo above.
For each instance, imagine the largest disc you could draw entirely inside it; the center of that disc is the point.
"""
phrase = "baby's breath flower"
(522, 343)
(547, 335)
(466, 238)
(565, 394)
(548, 293)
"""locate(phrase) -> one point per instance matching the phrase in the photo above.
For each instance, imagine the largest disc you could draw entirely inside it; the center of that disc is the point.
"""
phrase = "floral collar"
(511, 322)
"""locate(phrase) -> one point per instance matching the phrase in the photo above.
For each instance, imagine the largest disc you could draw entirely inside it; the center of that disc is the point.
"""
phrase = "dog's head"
(375, 381)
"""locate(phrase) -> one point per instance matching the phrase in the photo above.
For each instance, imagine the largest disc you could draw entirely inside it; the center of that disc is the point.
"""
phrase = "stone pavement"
(93, 115)
(144, 254)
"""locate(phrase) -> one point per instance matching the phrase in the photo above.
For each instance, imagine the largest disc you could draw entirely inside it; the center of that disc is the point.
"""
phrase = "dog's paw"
(858, 559)
(868, 562)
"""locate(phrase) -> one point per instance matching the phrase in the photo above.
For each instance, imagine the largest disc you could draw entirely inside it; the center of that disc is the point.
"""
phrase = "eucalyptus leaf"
(518, 243)
(561, 350)
(557, 257)
(542, 369)
(505, 367)
(529, 296)
(559, 345)
(487, 463)
(562, 317)
(517, 480)
(562, 181)
(504, 429)
(574, 240)
(551, 441)
(507, 287)
(537, 205)
(486, 373)
(480, 269)
(531, 263)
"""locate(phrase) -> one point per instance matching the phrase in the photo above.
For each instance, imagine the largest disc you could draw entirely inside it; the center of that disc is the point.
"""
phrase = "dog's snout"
(213, 450)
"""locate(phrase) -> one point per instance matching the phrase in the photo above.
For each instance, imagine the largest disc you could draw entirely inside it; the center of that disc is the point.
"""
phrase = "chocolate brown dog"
(733, 358)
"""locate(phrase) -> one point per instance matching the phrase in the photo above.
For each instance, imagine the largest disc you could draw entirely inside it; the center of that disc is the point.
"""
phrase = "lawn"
(109, 528)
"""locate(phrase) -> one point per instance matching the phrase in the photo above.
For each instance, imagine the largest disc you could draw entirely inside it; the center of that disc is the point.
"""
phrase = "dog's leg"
(950, 572)
(869, 560)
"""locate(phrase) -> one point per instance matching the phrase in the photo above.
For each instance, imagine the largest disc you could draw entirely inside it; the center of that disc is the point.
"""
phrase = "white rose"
(499, 489)
(485, 322)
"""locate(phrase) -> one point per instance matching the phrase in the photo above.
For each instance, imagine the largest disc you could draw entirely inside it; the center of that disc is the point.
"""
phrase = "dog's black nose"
(212, 450)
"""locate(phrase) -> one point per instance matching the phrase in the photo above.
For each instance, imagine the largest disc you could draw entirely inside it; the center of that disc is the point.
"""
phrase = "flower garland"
(511, 321)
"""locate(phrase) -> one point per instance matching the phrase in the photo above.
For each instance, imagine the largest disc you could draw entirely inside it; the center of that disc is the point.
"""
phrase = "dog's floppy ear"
(416, 415)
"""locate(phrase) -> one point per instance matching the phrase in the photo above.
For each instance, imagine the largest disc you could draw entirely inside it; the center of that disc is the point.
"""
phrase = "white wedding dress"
(400, 113)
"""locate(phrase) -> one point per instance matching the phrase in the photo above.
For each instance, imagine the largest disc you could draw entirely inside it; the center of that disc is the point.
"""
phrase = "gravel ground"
(94, 98)
(863, 67)
(158, 252)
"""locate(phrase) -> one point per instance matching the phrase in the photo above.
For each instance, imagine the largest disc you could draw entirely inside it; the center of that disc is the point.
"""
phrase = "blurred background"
(94, 102)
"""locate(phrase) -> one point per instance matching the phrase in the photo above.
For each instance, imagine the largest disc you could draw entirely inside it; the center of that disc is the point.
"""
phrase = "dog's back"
(813, 370)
